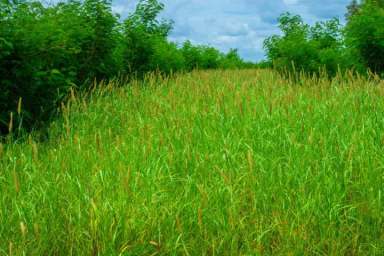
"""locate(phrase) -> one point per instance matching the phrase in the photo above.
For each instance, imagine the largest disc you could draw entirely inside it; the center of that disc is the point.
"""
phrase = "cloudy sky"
(241, 24)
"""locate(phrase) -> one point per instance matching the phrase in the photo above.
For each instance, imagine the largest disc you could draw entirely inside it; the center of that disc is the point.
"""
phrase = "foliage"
(206, 57)
(352, 9)
(365, 35)
(327, 45)
(307, 48)
(49, 50)
(232, 60)
(166, 57)
(200, 57)
(144, 35)
(46, 50)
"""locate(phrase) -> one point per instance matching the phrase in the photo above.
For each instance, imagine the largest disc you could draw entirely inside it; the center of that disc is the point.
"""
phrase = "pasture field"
(205, 163)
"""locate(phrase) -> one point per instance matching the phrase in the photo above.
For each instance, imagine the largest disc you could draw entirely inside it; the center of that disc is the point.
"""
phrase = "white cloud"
(242, 24)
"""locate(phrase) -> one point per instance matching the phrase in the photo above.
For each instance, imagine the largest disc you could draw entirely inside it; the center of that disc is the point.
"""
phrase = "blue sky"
(241, 24)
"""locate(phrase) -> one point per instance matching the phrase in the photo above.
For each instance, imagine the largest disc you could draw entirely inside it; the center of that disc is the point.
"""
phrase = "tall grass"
(207, 163)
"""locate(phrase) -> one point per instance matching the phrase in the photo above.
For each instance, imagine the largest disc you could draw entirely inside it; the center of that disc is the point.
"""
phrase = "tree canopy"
(45, 50)
(329, 46)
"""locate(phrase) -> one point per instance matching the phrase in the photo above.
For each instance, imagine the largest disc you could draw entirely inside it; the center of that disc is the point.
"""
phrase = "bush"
(47, 50)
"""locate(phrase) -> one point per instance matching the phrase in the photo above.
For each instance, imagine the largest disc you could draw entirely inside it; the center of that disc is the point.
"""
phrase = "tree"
(306, 48)
(142, 31)
(192, 55)
(352, 9)
(365, 35)
(45, 50)
(98, 55)
(232, 60)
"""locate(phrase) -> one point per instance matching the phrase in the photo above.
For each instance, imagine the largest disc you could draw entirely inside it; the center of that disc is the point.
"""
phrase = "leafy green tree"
(365, 35)
(27, 69)
(45, 50)
(232, 60)
(192, 55)
(48, 49)
(142, 31)
(166, 57)
(305, 48)
(201, 56)
(99, 47)
(211, 57)
(352, 9)
(291, 48)
(145, 17)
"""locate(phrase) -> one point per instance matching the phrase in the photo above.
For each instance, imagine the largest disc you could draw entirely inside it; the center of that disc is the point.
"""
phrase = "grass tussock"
(207, 163)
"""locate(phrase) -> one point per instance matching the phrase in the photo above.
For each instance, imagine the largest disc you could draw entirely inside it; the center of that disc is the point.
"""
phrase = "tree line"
(45, 50)
(329, 47)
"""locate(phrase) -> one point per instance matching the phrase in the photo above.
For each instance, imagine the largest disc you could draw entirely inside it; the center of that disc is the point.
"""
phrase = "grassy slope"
(209, 163)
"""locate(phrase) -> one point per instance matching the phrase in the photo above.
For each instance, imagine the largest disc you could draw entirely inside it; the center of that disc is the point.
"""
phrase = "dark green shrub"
(47, 50)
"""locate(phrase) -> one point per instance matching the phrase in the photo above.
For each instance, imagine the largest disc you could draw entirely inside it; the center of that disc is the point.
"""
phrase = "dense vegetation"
(46, 50)
(249, 164)
(153, 154)
(328, 47)
(302, 47)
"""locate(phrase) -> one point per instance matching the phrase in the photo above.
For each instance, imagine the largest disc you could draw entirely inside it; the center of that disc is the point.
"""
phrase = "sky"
(241, 24)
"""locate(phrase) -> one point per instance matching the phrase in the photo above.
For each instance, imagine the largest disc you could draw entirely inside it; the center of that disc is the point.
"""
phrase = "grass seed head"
(10, 248)
(19, 106)
(23, 229)
(10, 124)
(36, 229)
(16, 181)
(35, 151)
(1, 150)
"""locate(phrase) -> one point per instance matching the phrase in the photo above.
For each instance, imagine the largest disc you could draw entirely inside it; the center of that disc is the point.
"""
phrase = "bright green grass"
(208, 163)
